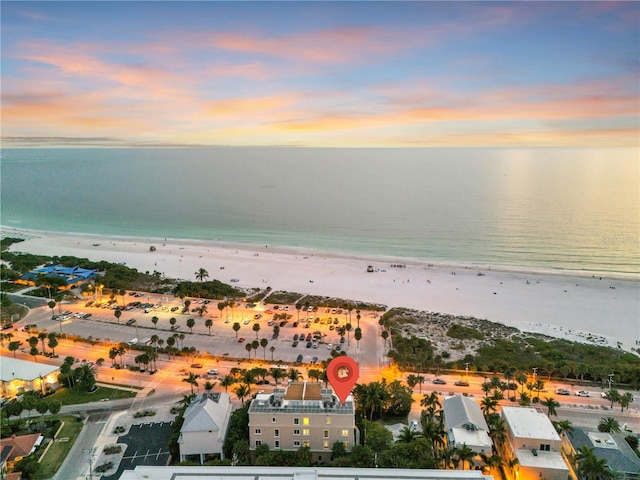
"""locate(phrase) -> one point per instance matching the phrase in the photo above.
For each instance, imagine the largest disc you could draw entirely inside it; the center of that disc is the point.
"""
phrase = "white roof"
(477, 440)
(296, 473)
(460, 411)
(547, 460)
(529, 423)
(13, 368)
(208, 412)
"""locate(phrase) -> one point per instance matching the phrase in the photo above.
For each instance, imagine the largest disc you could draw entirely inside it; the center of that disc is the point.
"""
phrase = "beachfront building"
(532, 447)
(302, 415)
(611, 447)
(205, 427)
(18, 376)
(71, 276)
(465, 425)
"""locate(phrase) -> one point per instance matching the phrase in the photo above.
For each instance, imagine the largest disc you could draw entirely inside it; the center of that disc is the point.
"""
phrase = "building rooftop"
(538, 459)
(460, 411)
(207, 412)
(529, 423)
(613, 448)
(14, 368)
(302, 397)
(296, 473)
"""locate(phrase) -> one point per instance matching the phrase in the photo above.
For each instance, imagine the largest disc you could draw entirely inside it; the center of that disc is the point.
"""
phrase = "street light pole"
(610, 380)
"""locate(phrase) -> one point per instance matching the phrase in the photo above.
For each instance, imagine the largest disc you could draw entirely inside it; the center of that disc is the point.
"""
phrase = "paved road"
(77, 461)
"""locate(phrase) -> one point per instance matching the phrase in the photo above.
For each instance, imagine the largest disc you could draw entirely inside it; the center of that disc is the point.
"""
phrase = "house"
(465, 425)
(15, 448)
(302, 415)
(18, 376)
(205, 427)
(611, 447)
(532, 447)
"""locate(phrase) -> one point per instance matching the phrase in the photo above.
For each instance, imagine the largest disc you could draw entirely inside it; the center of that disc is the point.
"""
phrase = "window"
(296, 432)
(346, 445)
(345, 433)
(258, 431)
(327, 420)
(296, 421)
(545, 447)
(276, 433)
(306, 444)
(305, 421)
(296, 443)
(325, 433)
(258, 443)
(273, 419)
(305, 432)
(276, 444)
(325, 444)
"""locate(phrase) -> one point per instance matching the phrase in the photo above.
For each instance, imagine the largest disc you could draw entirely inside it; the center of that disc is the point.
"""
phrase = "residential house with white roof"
(532, 440)
(205, 427)
(465, 425)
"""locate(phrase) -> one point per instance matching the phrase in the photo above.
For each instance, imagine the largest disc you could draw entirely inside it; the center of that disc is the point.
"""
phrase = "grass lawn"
(59, 450)
(71, 396)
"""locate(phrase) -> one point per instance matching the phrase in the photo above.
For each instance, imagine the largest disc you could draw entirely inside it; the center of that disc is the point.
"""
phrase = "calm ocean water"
(565, 209)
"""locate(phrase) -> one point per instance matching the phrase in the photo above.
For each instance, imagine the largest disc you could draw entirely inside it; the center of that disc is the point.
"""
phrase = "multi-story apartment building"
(532, 447)
(302, 415)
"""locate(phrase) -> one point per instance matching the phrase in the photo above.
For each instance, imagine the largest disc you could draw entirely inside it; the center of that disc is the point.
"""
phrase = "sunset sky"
(320, 73)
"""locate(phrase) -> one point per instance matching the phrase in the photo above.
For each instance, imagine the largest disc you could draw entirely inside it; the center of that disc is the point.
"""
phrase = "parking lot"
(146, 445)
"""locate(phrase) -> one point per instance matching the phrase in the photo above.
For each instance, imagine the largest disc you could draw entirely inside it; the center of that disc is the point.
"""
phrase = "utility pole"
(466, 370)
(610, 380)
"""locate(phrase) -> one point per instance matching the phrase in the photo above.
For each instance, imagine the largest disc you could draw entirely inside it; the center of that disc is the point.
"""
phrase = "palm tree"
(272, 349)
(624, 401)
(348, 328)
(118, 313)
(191, 380)
(551, 404)
(201, 274)
(613, 396)
(208, 323)
(236, 327)
(431, 403)
(591, 467)
(563, 426)
(609, 424)
(256, 328)
(52, 306)
(465, 455)
(221, 307)
(372, 396)
(314, 374)
(14, 346)
(248, 348)
(85, 374)
(227, 381)
(190, 323)
(488, 404)
(277, 374)
(209, 386)
(53, 342)
(241, 391)
(294, 374)
(42, 337)
(408, 435)
(154, 320)
(263, 343)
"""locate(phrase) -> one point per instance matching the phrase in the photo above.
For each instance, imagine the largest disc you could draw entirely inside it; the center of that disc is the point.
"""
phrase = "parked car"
(31, 327)
(583, 393)
(295, 343)
(196, 365)
(461, 383)
(440, 381)
(213, 371)
(241, 339)
(131, 321)
(562, 391)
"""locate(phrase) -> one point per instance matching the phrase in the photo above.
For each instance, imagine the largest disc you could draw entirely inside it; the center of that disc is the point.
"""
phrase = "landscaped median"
(72, 396)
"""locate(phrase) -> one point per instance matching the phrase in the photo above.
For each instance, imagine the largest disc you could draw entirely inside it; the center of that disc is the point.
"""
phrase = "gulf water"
(560, 209)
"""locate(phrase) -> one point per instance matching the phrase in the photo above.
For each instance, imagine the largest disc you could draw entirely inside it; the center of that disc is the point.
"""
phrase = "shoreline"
(577, 306)
(26, 233)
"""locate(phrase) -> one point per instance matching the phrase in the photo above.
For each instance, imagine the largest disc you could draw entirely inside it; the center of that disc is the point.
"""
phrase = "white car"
(330, 346)
(583, 393)
(246, 321)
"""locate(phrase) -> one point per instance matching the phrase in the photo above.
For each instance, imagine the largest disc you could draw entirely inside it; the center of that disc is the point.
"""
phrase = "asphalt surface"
(146, 445)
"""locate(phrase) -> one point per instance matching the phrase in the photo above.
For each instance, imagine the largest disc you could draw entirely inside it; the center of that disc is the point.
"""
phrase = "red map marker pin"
(342, 373)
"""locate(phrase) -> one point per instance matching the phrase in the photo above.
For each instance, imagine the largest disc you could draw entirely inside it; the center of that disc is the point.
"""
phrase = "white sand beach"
(601, 310)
